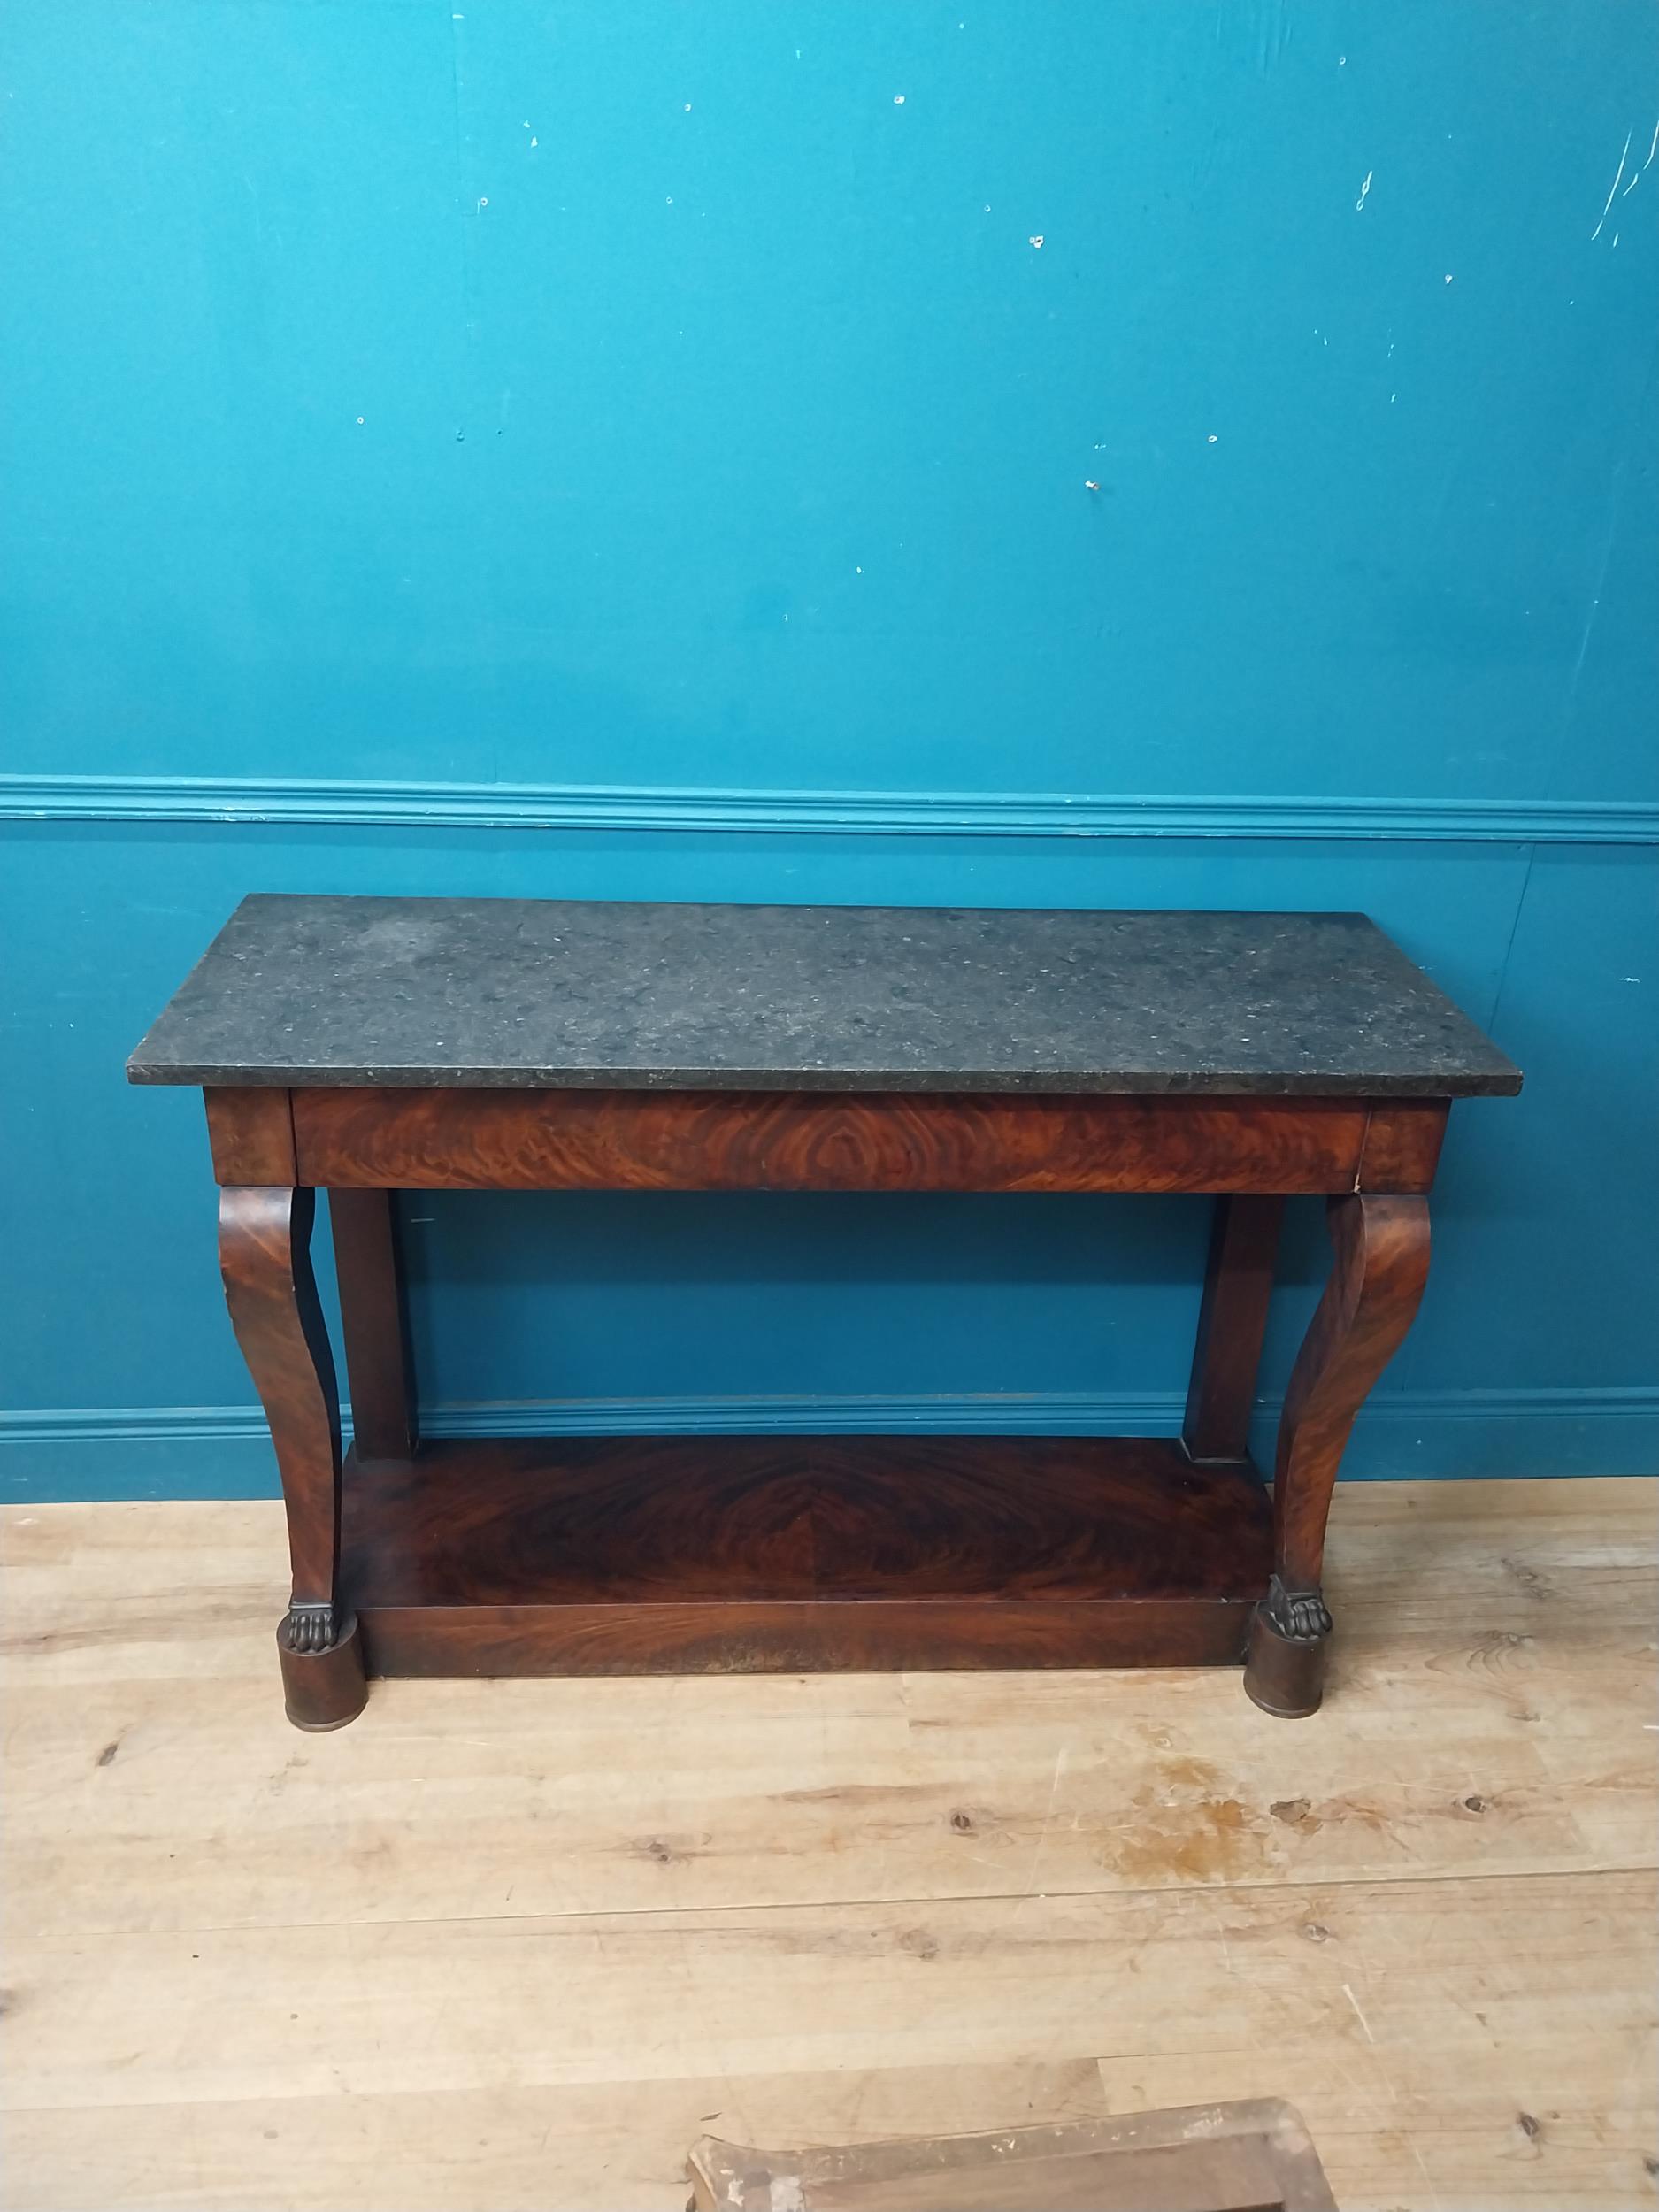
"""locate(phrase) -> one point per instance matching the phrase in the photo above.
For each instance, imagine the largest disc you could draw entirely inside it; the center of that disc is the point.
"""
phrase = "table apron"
(454, 1139)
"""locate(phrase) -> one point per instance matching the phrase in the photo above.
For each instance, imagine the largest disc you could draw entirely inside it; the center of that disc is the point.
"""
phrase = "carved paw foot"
(1298, 1615)
(1284, 1664)
(309, 1628)
(320, 1652)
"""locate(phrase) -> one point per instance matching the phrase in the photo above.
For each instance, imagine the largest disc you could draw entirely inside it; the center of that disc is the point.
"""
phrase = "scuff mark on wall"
(1613, 188)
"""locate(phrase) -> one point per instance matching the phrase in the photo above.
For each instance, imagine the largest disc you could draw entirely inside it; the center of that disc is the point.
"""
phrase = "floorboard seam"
(863, 1904)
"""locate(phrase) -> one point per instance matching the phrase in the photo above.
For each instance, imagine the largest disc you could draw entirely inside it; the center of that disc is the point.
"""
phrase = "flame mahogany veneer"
(790, 1140)
(694, 1555)
(650, 1555)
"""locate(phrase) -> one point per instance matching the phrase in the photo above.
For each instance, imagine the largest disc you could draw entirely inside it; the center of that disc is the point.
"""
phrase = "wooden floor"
(515, 1944)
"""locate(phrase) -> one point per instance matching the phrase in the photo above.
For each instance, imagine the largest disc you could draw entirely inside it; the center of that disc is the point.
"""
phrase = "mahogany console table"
(367, 1046)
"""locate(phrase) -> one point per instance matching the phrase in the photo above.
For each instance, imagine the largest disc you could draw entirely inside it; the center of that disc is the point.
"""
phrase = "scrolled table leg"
(265, 1239)
(1381, 1247)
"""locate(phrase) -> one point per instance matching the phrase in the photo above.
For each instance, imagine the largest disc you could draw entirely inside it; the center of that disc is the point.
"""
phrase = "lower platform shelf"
(734, 1555)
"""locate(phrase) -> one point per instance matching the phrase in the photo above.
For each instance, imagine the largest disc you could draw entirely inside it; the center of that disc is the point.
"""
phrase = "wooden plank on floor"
(580, 2148)
(1411, 2021)
(447, 1802)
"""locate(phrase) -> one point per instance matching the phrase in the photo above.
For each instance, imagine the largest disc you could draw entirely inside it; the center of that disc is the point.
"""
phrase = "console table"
(371, 1045)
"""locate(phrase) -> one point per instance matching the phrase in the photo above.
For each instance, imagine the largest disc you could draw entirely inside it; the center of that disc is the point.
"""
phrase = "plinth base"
(750, 1555)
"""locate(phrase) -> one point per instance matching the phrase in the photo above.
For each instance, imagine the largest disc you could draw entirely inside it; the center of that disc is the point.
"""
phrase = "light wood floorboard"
(514, 1944)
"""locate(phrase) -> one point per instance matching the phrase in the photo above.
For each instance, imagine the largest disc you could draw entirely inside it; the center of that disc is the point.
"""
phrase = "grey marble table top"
(524, 993)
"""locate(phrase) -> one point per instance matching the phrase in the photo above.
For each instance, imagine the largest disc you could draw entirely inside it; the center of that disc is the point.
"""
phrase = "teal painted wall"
(620, 451)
